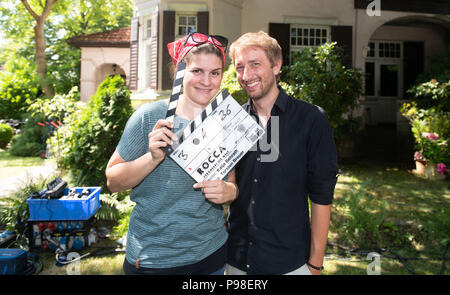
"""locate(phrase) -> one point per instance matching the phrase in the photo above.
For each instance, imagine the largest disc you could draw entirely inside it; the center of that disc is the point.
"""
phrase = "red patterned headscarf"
(177, 51)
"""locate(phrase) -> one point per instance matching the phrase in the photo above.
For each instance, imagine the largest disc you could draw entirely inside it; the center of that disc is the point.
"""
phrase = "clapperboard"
(211, 145)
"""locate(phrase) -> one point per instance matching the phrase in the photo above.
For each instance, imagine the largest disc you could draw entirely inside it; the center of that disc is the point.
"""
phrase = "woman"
(175, 228)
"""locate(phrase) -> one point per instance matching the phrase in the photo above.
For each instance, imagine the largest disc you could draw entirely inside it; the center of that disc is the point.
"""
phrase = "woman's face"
(202, 78)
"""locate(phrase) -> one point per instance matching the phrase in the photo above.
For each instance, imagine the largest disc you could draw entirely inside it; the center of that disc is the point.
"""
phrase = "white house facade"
(390, 41)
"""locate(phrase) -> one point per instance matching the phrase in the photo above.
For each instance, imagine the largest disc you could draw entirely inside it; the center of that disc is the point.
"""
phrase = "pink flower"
(430, 136)
(441, 168)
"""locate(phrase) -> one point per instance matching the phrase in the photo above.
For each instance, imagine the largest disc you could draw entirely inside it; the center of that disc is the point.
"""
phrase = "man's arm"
(320, 222)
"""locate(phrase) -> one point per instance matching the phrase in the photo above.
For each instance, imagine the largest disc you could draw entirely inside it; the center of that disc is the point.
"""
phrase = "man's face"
(255, 74)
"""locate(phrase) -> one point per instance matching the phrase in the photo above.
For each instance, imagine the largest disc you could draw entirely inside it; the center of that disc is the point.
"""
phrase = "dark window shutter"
(343, 35)
(168, 36)
(203, 22)
(154, 51)
(413, 63)
(281, 33)
(134, 46)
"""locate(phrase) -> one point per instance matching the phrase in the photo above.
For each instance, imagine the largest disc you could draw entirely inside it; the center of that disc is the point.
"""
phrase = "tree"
(41, 62)
(65, 20)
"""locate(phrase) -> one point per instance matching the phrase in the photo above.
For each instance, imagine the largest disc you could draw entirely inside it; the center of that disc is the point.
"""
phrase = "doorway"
(384, 81)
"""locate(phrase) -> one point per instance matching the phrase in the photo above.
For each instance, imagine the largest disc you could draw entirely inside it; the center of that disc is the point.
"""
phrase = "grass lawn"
(376, 206)
(415, 220)
(13, 165)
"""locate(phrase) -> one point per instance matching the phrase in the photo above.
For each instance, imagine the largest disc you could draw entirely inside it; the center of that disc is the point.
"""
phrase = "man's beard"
(264, 90)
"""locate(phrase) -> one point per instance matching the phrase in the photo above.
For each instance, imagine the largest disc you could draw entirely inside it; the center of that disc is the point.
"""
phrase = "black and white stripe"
(202, 116)
(176, 90)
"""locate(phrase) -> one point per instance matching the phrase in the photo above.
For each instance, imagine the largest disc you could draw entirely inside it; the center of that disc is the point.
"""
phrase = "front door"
(384, 80)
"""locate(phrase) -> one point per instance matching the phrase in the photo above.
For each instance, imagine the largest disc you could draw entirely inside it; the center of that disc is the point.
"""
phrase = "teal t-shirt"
(171, 224)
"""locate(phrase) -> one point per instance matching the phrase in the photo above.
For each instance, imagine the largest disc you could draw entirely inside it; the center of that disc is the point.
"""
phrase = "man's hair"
(258, 39)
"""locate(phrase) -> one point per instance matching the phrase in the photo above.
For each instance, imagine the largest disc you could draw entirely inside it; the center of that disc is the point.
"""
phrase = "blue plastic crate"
(62, 209)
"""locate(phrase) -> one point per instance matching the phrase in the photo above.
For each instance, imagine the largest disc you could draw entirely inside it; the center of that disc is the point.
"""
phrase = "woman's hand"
(218, 191)
(161, 136)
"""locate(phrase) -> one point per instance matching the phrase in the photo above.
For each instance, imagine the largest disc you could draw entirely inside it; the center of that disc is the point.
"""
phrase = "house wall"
(258, 13)
(232, 18)
(96, 63)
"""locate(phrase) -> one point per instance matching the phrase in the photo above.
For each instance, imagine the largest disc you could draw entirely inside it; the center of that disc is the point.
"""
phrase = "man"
(269, 224)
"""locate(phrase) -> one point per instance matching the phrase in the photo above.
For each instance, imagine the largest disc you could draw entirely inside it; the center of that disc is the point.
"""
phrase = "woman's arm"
(122, 175)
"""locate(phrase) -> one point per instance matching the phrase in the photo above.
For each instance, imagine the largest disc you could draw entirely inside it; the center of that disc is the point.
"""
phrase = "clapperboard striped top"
(176, 90)
(200, 118)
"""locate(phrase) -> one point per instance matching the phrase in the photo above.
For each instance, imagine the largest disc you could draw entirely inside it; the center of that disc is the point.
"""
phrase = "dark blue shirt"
(268, 224)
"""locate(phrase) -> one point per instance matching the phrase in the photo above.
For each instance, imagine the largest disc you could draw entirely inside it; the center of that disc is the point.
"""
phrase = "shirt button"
(258, 159)
(248, 266)
(255, 180)
(253, 202)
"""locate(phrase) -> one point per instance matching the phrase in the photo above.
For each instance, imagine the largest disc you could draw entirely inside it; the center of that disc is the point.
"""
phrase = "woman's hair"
(206, 48)
(261, 40)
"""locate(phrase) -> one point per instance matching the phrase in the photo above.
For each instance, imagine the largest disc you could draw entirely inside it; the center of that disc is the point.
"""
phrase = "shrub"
(29, 142)
(91, 135)
(6, 133)
(318, 76)
(230, 82)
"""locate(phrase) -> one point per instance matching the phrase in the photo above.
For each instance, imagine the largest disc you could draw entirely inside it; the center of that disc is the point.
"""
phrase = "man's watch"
(315, 267)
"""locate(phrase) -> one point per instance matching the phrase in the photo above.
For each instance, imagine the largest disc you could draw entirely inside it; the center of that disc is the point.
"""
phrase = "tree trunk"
(39, 39)
(41, 61)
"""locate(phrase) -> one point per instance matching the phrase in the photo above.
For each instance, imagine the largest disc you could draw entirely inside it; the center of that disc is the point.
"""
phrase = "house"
(102, 54)
(388, 40)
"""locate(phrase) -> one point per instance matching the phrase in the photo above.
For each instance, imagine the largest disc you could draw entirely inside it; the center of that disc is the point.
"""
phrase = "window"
(185, 24)
(389, 49)
(148, 28)
(308, 36)
(385, 49)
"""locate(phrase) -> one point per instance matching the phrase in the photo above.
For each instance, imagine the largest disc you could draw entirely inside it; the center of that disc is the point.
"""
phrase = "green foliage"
(28, 143)
(364, 216)
(18, 88)
(438, 70)
(432, 94)
(90, 136)
(318, 76)
(67, 19)
(116, 208)
(429, 117)
(6, 133)
(58, 107)
(231, 83)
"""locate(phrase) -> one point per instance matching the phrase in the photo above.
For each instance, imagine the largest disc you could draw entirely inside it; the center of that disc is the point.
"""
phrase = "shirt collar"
(280, 103)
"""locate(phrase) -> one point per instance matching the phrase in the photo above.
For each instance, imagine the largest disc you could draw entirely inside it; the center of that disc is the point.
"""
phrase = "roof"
(114, 38)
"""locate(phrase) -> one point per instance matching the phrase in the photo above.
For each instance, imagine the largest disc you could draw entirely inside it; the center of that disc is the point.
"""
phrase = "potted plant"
(431, 158)
(432, 155)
